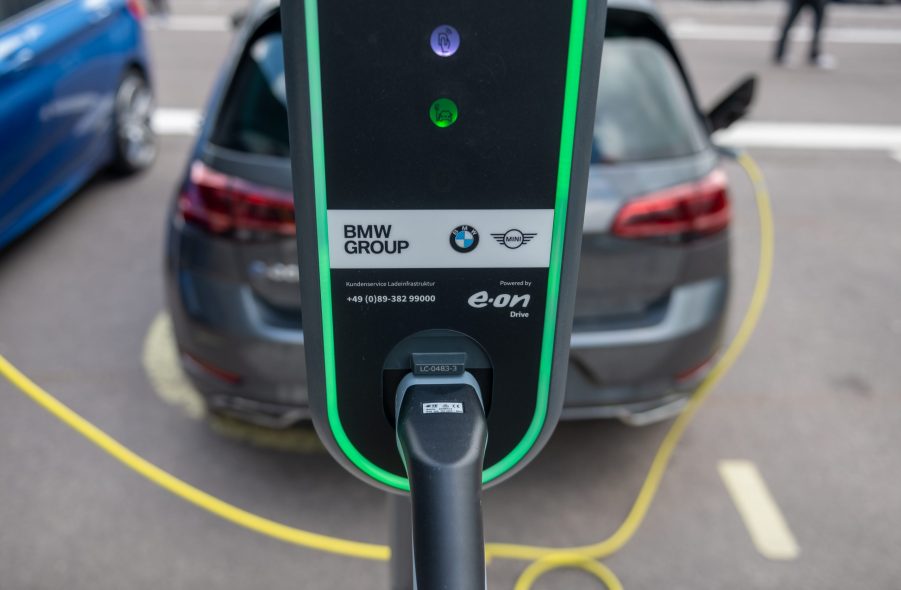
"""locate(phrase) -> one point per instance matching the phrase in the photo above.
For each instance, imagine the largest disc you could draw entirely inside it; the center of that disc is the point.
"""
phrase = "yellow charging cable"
(558, 560)
(545, 558)
(651, 484)
(181, 488)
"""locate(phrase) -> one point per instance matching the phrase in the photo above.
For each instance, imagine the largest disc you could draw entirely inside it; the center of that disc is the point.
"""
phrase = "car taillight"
(136, 8)
(212, 370)
(684, 212)
(230, 206)
(694, 374)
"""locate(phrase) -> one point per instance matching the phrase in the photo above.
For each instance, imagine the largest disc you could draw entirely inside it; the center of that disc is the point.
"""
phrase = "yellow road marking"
(161, 363)
(160, 360)
(759, 511)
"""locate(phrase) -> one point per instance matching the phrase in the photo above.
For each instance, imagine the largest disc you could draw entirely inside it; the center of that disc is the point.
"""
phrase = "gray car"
(654, 279)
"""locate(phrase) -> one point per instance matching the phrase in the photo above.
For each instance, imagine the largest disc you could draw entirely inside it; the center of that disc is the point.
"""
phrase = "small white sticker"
(442, 408)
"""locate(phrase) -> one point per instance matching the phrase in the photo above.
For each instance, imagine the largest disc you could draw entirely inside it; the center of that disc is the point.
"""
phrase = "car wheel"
(134, 139)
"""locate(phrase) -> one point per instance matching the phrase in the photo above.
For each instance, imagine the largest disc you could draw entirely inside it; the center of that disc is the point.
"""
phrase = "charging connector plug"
(442, 434)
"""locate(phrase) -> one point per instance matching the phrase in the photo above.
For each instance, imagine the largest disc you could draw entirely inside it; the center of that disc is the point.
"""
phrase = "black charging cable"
(442, 434)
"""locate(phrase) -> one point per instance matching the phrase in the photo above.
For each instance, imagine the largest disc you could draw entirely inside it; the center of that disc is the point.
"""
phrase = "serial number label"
(391, 299)
(442, 408)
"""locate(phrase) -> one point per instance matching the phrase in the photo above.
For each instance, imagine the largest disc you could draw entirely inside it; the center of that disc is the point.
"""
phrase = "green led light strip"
(564, 171)
(311, 16)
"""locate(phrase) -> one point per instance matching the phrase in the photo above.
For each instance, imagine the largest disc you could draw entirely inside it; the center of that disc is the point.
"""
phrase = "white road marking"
(757, 134)
(768, 8)
(189, 23)
(897, 156)
(176, 121)
(687, 29)
(762, 517)
(681, 28)
(829, 136)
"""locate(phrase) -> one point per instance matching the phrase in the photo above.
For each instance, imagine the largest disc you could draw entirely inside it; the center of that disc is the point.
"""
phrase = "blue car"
(75, 98)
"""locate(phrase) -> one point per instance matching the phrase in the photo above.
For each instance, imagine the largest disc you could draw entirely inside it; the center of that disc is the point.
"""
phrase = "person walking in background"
(816, 58)
(159, 7)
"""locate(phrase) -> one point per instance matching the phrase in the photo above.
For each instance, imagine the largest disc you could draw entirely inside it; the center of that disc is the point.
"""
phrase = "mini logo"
(513, 239)
(464, 238)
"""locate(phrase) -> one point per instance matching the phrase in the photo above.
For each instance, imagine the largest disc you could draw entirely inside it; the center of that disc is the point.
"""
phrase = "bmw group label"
(509, 238)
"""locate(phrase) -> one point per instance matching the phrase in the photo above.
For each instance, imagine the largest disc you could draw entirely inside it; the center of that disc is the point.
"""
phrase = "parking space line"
(164, 371)
(759, 511)
(830, 136)
(751, 134)
(161, 364)
(681, 28)
(176, 121)
(770, 8)
(687, 29)
(190, 23)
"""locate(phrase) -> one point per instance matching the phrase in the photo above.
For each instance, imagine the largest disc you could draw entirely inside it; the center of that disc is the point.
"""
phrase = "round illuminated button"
(445, 41)
(443, 112)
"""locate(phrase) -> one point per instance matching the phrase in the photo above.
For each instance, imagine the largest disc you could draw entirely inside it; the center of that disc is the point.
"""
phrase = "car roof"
(647, 6)
(260, 8)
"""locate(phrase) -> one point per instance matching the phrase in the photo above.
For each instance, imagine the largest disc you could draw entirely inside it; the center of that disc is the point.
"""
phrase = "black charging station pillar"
(440, 154)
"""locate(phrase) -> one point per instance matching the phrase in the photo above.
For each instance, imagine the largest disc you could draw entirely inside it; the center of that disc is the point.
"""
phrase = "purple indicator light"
(445, 41)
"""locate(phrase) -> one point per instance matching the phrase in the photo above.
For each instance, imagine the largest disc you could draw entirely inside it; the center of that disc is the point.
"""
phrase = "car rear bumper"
(629, 374)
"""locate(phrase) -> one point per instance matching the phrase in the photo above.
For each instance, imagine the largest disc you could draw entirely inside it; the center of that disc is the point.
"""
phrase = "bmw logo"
(464, 238)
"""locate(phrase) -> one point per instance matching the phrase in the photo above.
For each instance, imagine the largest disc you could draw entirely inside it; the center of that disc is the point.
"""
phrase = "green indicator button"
(443, 112)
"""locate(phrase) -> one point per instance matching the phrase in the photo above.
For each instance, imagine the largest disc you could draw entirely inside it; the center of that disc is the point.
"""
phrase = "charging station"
(440, 153)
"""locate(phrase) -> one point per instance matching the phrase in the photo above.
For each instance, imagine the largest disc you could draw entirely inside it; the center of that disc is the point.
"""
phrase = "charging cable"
(545, 558)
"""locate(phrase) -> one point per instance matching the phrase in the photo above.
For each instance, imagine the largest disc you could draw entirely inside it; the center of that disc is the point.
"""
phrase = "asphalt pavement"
(813, 404)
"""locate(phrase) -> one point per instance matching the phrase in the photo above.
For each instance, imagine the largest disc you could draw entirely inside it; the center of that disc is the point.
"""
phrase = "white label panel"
(483, 238)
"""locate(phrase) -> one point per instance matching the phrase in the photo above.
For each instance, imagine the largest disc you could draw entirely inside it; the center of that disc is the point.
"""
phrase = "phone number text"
(391, 299)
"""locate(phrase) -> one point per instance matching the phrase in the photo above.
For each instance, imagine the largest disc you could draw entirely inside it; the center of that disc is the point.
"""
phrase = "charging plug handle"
(442, 434)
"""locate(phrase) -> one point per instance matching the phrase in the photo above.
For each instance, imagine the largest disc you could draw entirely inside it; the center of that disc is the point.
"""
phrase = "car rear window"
(644, 109)
(11, 8)
(254, 117)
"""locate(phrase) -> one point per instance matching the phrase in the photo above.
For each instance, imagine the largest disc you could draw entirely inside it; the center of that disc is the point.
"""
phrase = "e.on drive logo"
(482, 300)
